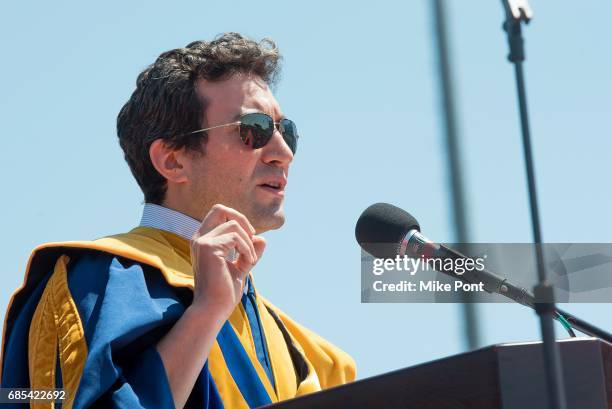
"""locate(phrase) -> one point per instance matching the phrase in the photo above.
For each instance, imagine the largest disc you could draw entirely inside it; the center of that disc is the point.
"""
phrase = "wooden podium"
(508, 376)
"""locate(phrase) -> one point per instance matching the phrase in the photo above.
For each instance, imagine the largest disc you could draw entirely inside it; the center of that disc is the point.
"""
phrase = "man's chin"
(265, 221)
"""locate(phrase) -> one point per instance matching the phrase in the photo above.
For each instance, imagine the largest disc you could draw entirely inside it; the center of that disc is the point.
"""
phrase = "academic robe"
(89, 314)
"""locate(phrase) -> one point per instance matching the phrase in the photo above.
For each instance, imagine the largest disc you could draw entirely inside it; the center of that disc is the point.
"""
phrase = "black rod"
(543, 291)
(585, 327)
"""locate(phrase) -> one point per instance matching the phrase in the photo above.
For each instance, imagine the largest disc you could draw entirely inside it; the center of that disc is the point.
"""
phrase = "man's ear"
(168, 162)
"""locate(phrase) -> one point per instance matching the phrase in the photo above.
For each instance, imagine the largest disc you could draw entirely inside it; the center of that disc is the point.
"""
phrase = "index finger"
(220, 214)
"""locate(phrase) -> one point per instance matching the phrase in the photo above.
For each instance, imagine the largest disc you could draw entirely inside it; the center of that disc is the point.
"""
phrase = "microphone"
(386, 231)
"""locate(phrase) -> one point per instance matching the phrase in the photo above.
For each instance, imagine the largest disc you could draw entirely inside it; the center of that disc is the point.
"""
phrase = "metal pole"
(455, 173)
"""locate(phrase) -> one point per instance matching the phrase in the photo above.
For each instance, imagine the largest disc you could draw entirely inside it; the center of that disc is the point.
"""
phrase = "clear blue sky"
(359, 79)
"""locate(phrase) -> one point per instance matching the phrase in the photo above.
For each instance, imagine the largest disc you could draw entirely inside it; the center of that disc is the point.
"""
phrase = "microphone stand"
(517, 12)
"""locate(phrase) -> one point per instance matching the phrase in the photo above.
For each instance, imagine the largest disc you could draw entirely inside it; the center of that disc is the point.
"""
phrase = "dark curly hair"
(166, 105)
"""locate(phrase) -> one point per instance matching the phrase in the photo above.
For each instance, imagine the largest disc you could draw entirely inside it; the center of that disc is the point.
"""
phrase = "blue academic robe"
(124, 307)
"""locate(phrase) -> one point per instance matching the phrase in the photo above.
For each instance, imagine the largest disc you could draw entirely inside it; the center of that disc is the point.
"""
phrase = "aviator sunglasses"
(257, 128)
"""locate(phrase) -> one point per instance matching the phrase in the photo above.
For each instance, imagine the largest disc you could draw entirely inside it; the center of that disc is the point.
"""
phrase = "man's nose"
(277, 151)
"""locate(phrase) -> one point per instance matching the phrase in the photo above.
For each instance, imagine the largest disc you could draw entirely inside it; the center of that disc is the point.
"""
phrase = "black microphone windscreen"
(381, 228)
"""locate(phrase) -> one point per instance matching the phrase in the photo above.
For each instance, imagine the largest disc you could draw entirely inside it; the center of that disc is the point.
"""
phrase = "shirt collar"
(163, 218)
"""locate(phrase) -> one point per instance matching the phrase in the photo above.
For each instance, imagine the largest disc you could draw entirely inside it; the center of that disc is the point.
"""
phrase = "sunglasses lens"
(289, 132)
(256, 129)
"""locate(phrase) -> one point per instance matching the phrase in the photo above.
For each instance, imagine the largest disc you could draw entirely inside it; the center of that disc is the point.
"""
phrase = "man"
(167, 315)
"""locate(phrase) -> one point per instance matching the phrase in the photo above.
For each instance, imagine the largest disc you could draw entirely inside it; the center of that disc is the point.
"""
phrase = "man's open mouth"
(272, 185)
